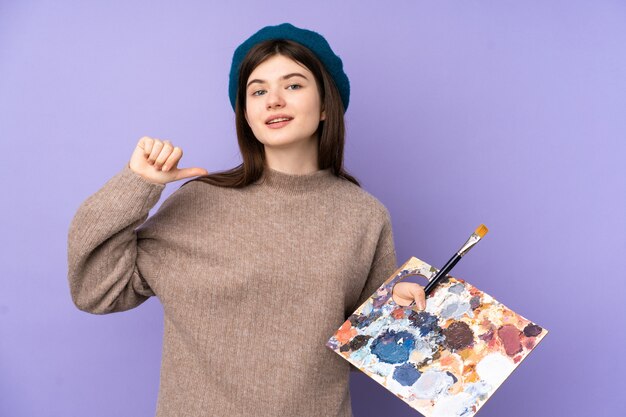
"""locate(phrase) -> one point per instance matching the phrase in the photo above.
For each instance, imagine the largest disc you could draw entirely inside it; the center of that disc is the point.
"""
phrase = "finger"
(149, 145)
(173, 159)
(156, 150)
(419, 296)
(166, 150)
(145, 144)
(190, 172)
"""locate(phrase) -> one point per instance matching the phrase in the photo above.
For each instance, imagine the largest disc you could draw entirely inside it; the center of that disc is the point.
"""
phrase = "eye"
(254, 93)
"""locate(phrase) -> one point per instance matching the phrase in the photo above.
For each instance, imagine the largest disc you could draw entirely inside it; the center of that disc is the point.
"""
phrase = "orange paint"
(466, 354)
(470, 376)
(447, 360)
(345, 332)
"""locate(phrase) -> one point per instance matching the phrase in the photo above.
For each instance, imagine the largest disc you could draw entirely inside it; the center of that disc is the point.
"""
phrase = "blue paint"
(457, 288)
(393, 347)
(406, 374)
(453, 377)
(449, 310)
(362, 321)
(378, 302)
(425, 322)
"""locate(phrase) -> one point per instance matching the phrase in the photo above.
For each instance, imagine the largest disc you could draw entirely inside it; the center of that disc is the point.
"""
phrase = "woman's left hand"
(406, 292)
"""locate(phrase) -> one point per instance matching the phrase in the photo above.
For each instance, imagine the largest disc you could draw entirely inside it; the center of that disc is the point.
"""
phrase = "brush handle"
(442, 273)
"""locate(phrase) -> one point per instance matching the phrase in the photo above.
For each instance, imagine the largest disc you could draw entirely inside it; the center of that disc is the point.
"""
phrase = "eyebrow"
(284, 77)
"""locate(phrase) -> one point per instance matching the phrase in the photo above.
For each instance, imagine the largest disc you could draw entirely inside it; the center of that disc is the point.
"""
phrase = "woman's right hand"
(157, 161)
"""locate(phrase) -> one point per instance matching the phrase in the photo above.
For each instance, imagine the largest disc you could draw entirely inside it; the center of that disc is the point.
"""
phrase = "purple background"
(506, 113)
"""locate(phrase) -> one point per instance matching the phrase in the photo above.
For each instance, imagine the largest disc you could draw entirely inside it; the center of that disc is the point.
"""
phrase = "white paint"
(431, 384)
(457, 405)
(494, 369)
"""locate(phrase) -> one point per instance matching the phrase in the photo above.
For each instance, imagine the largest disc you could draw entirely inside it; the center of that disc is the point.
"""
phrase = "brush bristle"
(481, 230)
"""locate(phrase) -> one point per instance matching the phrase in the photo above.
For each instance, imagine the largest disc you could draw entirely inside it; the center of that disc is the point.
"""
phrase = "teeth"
(278, 120)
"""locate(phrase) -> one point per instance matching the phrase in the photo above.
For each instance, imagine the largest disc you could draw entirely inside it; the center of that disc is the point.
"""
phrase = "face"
(281, 86)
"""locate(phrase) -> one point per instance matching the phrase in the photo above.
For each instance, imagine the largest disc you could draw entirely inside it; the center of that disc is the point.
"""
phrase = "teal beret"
(312, 40)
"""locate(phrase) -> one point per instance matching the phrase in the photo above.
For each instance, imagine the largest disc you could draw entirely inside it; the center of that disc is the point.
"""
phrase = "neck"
(297, 159)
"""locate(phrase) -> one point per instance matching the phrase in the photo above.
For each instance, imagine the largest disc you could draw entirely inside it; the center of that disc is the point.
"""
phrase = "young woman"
(256, 267)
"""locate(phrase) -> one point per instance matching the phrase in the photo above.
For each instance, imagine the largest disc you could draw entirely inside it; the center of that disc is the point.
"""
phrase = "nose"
(274, 99)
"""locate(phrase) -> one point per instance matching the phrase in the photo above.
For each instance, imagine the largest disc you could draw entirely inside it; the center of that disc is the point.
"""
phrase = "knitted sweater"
(253, 282)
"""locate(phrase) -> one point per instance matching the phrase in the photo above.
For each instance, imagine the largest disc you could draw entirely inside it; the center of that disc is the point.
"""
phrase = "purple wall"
(506, 113)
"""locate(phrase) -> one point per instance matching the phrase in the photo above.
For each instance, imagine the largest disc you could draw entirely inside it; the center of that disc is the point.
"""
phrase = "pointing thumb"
(191, 172)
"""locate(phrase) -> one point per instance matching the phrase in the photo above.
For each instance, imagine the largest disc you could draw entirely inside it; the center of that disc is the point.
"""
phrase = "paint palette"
(446, 360)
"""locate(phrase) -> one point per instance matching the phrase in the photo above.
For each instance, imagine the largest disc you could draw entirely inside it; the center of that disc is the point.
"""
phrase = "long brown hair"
(331, 131)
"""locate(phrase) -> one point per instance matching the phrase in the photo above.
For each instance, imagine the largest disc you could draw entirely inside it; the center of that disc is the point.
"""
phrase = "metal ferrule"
(473, 239)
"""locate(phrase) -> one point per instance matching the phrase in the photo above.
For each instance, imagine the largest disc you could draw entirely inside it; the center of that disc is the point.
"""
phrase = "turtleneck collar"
(285, 183)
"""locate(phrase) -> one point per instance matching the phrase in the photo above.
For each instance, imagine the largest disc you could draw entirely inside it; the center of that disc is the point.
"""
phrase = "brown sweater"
(253, 282)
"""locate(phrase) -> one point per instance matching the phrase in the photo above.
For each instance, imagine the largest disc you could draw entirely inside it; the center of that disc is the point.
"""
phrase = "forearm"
(102, 245)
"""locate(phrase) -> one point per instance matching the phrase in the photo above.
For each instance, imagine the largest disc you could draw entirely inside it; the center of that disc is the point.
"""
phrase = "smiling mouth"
(278, 124)
(279, 120)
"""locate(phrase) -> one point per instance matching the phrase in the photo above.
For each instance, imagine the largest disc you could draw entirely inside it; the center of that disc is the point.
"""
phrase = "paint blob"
(406, 374)
(510, 337)
(458, 335)
(392, 347)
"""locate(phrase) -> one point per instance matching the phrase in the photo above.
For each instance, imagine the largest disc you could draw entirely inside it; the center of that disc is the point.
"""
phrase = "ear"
(323, 115)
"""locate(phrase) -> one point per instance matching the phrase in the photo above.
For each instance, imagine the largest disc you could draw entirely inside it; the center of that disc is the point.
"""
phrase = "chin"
(274, 143)
(281, 141)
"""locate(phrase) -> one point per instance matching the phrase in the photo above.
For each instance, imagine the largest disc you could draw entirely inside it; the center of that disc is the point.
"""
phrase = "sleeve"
(383, 265)
(104, 271)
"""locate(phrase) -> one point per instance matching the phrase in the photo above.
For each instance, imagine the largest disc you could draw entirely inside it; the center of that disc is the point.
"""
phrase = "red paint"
(510, 337)
(398, 313)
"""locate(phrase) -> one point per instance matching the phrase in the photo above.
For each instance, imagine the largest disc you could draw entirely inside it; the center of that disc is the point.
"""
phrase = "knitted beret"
(312, 40)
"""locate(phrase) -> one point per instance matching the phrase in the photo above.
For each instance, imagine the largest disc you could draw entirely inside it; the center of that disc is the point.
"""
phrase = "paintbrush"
(478, 234)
